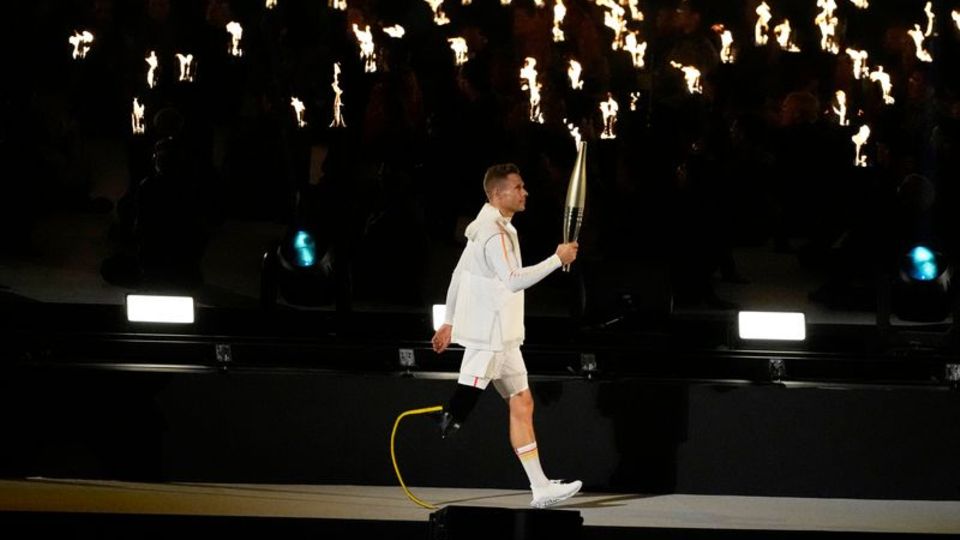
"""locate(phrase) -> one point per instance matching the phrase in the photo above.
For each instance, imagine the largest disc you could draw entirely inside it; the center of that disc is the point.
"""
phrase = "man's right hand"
(441, 340)
(567, 252)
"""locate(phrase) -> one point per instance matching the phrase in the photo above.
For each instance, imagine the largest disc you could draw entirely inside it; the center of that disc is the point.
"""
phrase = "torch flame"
(574, 132)
(338, 4)
(186, 67)
(862, 4)
(609, 110)
(763, 24)
(395, 31)
(81, 43)
(859, 58)
(783, 31)
(574, 72)
(236, 32)
(459, 47)
(841, 108)
(634, 98)
(922, 54)
(152, 62)
(928, 9)
(337, 102)
(367, 52)
(955, 15)
(827, 22)
(636, 50)
(879, 76)
(439, 17)
(136, 117)
(466, 2)
(726, 44)
(298, 109)
(559, 12)
(860, 139)
(692, 76)
(539, 3)
(528, 76)
(271, 4)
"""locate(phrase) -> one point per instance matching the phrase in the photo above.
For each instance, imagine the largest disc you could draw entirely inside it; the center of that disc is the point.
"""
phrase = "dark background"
(744, 196)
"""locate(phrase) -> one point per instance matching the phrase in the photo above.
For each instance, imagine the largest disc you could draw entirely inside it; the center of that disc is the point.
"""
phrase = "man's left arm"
(499, 252)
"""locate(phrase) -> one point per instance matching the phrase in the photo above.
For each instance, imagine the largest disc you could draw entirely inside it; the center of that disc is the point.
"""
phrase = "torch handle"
(573, 218)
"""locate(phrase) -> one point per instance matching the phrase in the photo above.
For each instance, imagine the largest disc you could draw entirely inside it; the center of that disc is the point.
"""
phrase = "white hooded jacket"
(485, 297)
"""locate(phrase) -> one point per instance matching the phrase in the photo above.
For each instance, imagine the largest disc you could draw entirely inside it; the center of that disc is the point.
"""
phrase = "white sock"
(530, 460)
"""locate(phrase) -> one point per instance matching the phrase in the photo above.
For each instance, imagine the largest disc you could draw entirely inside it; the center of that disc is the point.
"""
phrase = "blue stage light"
(305, 249)
(922, 264)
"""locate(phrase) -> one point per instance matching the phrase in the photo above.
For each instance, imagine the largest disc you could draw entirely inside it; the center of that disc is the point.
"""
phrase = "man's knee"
(521, 404)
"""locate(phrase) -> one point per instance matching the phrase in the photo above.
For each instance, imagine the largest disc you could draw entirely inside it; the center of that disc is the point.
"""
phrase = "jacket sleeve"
(500, 255)
(453, 288)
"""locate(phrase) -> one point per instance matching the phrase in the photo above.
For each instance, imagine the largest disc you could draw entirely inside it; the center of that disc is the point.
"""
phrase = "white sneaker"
(553, 493)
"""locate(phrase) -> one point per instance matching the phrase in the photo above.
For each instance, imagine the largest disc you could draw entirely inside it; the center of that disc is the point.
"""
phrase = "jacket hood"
(487, 215)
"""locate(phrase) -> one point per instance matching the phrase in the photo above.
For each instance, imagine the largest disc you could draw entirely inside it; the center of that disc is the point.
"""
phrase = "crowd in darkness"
(758, 158)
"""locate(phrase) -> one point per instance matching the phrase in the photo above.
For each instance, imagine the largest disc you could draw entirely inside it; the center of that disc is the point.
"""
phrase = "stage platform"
(105, 506)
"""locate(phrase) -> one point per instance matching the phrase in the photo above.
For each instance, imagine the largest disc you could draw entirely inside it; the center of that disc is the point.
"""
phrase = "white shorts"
(505, 368)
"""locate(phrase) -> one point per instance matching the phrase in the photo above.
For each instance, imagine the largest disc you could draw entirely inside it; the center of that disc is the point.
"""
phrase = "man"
(485, 315)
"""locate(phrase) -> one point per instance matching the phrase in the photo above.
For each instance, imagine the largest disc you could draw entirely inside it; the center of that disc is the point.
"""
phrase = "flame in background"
(367, 52)
(439, 17)
(559, 12)
(827, 21)
(879, 76)
(395, 31)
(763, 24)
(136, 117)
(841, 108)
(609, 110)
(337, 98)
(859, 58)
(692, 77)
(922, 54)
(236, 33)
(783, 31)
(860, 139)
(459, 47)
(81, 43)
(186, 67)
(298, 110)
(528, 78)
(574, 72)
(726, 44)
(152, 61)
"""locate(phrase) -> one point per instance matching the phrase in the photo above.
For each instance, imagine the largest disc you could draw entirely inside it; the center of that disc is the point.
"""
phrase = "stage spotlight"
(771, 325)
(922, 264)
(160, 309)
(304, 249)
(439, 313)
(299, 269)
(922, 293)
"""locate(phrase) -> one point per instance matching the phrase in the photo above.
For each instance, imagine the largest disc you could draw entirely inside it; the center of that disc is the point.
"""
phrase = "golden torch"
(576, 198)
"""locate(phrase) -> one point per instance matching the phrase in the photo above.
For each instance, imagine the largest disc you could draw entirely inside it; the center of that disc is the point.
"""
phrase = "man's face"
(511, 195)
